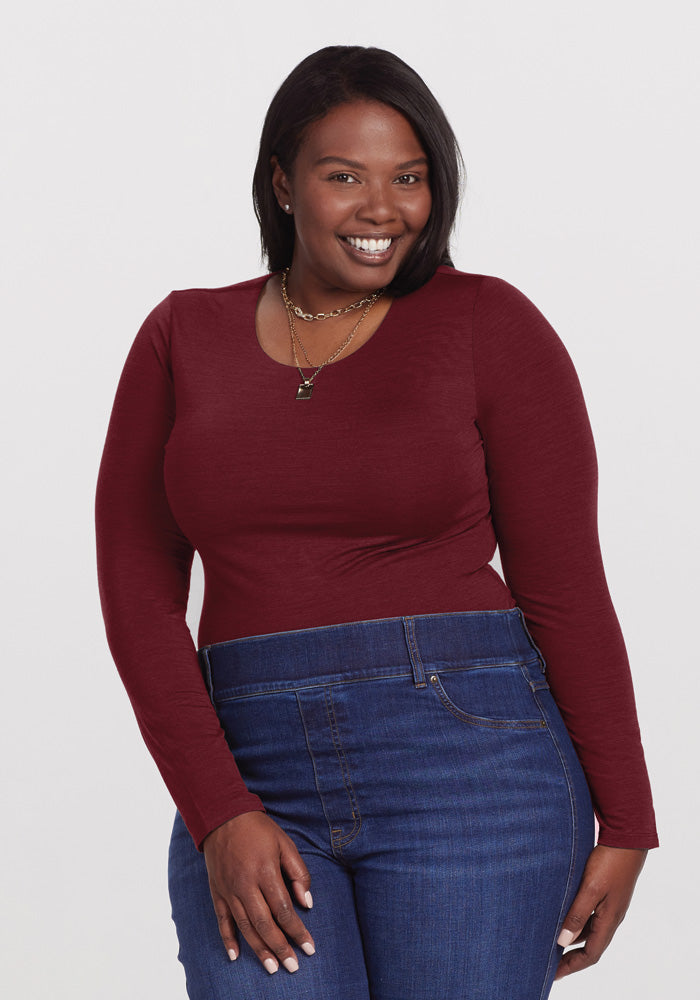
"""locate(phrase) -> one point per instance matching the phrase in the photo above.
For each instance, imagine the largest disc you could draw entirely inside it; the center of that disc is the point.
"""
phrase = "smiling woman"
(383, 754)
(356, 221)
(344, 206)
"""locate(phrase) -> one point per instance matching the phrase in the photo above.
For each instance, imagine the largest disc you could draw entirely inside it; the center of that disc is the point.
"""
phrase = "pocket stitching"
(481, 721)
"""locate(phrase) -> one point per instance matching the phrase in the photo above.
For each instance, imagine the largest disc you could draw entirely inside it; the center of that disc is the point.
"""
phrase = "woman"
(375, 716)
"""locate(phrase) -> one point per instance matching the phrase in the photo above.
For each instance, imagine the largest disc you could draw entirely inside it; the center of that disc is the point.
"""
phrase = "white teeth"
(371, 245)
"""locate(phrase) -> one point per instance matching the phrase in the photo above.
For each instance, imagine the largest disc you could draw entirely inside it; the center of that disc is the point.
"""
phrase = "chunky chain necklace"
(310, 317)
(306, 385)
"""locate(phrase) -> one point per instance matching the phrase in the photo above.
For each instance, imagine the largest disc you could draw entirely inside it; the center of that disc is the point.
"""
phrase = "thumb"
(578, 916)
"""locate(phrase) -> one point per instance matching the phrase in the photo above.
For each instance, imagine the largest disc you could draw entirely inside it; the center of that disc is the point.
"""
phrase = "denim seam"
(480, 721)
(294, 688)
(445, 668)
(342, 841)
(531, 641)
(554, 954)
(443, 665)
(315, 769)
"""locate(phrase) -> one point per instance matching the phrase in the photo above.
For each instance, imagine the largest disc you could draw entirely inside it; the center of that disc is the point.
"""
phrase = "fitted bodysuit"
(458, 426)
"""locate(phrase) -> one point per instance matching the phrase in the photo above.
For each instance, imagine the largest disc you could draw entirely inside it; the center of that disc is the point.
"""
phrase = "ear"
(281, 186)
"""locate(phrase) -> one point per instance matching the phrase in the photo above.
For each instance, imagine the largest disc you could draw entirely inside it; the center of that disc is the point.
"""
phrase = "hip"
(445, 715)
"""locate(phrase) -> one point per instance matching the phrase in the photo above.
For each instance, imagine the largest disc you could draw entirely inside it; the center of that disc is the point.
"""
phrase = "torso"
(370, 497)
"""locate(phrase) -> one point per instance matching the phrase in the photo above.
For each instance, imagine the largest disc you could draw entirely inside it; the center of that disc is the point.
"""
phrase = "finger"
(287, 918)
(227, 925)
(598, 934)
(258, 925)
(297, 873)
(585, 902)
(247, 930)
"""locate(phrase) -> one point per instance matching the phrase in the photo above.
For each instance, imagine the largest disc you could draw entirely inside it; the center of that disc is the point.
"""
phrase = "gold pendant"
(304, 391)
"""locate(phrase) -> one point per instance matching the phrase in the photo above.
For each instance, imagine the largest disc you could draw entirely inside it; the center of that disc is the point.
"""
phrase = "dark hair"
(339, 74)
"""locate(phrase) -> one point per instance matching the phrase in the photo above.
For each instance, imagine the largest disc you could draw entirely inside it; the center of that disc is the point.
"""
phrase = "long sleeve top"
(458, 426)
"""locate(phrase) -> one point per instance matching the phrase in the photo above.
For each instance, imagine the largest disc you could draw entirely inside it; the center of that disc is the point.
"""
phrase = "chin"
(367, 277)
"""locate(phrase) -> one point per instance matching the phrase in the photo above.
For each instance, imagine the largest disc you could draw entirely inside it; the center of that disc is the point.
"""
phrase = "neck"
(312, 294)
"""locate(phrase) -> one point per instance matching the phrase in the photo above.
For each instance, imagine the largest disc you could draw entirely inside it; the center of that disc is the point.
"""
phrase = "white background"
(129, 135)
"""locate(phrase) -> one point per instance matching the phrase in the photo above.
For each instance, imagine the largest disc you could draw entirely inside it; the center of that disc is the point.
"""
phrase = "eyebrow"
(420, 161)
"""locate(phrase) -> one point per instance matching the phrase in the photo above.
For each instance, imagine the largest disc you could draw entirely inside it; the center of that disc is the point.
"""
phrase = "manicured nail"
(271, 965)
(308, 899)
(565, 938)
(291, 964)
(233, 955)
(308, 948)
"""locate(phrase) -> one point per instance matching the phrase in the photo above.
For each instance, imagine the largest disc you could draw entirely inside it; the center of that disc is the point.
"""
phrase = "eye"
(343, 178)
(408, 179)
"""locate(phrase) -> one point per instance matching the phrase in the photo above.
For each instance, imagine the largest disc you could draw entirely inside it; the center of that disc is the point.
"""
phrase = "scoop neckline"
(310, 368)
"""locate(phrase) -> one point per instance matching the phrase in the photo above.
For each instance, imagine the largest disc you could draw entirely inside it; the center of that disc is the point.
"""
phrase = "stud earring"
(286, 207)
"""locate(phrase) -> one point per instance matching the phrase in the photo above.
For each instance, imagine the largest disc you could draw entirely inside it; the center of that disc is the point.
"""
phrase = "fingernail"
(291, 964)
(233, 955)
(565, 938)
(271, 965)
(308, 899)
(308, 948)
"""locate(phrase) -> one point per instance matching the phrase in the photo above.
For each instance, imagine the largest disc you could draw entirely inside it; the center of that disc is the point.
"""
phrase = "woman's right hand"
(247, 858)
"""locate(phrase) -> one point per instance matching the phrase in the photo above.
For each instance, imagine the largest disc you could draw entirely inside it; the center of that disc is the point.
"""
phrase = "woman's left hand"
(600, 905)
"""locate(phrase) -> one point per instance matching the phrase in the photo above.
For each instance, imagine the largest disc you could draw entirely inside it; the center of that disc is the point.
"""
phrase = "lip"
(365, 256)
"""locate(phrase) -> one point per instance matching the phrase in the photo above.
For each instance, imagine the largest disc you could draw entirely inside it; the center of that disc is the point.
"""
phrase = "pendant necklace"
(306, 386)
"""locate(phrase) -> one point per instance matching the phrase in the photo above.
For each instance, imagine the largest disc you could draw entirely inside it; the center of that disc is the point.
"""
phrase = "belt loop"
(413, 651)
(540, 657)
(205, 666)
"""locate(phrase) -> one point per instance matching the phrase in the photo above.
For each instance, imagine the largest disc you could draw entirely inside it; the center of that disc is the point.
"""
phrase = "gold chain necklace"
(310, 317)
(306, 385)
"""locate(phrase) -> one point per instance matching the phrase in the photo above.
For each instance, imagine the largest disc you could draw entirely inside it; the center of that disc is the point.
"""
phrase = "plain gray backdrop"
(129, 134)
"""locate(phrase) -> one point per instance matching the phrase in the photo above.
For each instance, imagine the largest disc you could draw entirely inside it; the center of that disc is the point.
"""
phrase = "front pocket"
(494, 697)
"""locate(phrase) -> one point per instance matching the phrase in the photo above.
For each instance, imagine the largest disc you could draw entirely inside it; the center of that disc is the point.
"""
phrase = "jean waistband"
(387, 646)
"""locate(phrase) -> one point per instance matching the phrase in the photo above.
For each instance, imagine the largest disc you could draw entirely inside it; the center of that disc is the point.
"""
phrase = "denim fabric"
(425, 774)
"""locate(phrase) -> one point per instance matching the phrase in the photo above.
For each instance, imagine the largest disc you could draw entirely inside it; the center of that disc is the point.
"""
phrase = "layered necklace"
(306, 385)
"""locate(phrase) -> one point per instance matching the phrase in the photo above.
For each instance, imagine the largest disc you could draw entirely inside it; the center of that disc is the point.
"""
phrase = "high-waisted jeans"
(425, 774)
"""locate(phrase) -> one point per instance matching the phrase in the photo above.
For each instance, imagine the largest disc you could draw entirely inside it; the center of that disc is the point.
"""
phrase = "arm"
(144, 563)
(542, 472)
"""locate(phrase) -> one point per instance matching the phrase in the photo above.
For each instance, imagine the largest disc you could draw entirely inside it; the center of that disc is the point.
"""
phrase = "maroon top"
(459, 424)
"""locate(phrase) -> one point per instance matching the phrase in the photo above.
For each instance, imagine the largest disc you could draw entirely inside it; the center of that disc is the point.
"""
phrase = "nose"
(378, 204)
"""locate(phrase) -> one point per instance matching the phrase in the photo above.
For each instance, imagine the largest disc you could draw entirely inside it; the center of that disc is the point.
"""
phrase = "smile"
(369, 245)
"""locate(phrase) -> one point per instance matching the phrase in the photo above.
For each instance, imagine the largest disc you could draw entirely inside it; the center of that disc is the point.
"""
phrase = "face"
(360, 195)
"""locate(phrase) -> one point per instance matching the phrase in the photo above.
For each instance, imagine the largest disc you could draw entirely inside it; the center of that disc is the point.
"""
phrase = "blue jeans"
(425, 774)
